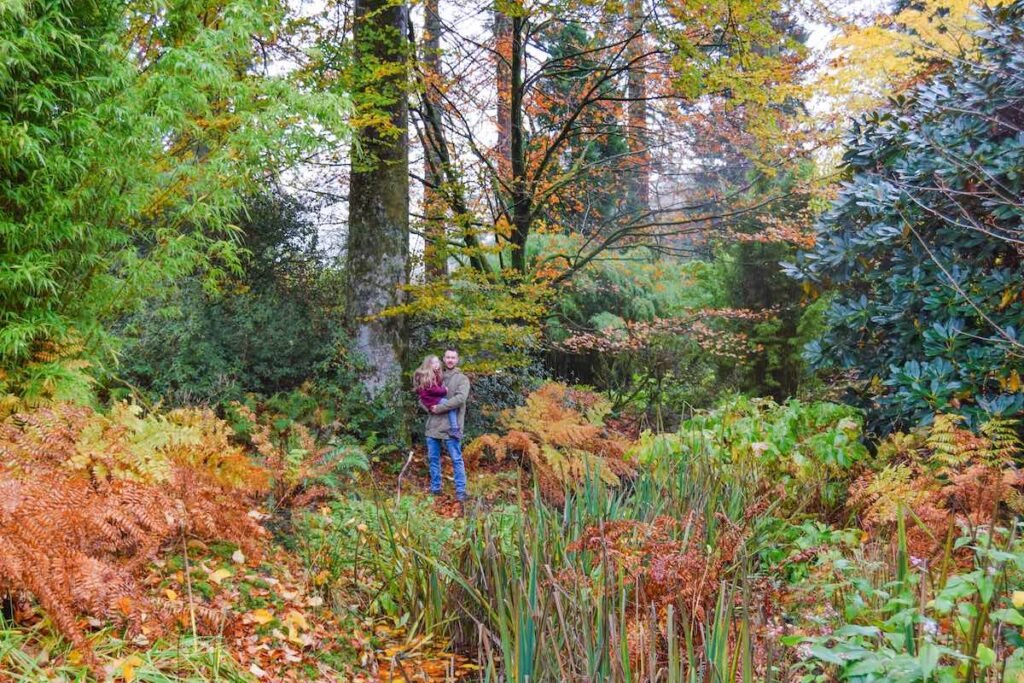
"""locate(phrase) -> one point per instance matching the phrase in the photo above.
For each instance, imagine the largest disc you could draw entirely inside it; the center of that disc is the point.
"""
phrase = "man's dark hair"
(451, 348)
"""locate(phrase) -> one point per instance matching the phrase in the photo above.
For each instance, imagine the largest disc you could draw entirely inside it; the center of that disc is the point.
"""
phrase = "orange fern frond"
(86, 500)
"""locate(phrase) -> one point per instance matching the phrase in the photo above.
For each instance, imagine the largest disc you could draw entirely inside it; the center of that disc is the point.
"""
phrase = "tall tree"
(636, 96)
(898, 45)
(503, 86)
(378, 225)
(435, 255)
(565, 104)
(568, 161)
(923, 250)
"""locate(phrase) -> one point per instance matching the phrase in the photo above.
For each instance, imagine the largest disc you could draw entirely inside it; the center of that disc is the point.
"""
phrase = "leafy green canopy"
(267, 331)
(924, 245)
(128, 134)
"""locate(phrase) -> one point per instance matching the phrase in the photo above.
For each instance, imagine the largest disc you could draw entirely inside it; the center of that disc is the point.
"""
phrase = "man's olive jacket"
(458, 393)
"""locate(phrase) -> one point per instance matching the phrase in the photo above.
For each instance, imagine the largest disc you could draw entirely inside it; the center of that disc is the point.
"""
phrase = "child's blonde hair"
(425, 375)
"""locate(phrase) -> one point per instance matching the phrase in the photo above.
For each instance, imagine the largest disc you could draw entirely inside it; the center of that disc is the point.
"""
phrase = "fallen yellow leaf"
(75, 658)
(1018, 599)
(218, 576)
(171, 595)
(261, 616)
(298, 619)
(128, 667)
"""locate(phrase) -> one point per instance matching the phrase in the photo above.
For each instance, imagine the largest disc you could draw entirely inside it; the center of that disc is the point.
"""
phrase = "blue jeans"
(453, 419)
(454, 448)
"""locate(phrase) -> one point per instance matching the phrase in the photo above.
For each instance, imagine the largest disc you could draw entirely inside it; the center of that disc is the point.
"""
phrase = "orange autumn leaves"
(639, 335)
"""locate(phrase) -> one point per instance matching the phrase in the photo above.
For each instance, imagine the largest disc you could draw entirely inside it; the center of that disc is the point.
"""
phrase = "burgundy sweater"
(432, 395)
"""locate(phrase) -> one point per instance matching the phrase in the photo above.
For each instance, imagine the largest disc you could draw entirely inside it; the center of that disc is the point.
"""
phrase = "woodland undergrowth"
(88, 500)
(761, 542)
(560, 435)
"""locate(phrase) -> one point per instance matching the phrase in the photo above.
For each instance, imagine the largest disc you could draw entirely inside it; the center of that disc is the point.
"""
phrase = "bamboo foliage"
(128, 136)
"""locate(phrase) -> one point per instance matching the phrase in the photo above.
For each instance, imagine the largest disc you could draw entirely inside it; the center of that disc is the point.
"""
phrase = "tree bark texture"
(378, 226)
(522, 202)
(503, 83)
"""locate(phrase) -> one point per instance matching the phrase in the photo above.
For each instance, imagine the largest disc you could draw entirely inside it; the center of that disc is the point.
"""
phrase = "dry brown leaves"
(667, 562)
(639, 335)
(277, 628)
(76, 541)
(666, 559)
(421, 659)
(962, 498)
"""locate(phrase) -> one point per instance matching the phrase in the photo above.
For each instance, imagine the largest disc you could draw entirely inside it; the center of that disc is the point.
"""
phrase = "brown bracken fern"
(86, 500)
(561, 436)
(943, 478)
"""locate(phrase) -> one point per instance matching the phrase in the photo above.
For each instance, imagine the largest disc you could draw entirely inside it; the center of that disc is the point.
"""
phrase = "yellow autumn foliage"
(559, 433)
(890, 52)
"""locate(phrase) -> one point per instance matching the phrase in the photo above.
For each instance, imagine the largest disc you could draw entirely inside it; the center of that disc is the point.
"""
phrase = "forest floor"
(273, 620)
(292, 607)
(291, 626)
(773, 525)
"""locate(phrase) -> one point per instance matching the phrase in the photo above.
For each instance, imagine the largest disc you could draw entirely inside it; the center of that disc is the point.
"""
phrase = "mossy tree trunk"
(378, 230)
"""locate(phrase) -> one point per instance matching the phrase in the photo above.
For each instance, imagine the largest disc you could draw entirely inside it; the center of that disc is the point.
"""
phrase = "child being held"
(432, 392)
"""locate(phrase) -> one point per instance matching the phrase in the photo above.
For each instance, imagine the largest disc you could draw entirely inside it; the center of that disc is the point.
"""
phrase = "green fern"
(954, 447)
(1005, 443)
(944, 444)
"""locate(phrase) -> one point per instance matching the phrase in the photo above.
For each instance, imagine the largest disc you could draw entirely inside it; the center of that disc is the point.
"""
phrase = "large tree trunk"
(378, 226)
(435, 255)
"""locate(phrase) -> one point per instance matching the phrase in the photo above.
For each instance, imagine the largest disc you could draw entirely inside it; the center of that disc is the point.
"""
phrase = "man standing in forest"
(438, 428)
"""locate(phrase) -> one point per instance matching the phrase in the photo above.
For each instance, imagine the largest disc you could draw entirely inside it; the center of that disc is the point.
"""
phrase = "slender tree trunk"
(378, 226)
(636, 110)
(451, 194)
(522, 205)
(435, 255)
(503, 82)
